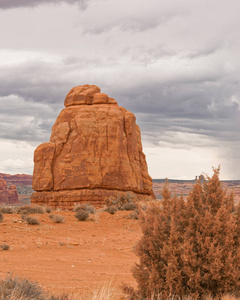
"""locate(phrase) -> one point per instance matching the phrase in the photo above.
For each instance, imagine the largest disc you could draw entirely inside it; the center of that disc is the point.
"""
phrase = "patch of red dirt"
(74, 257)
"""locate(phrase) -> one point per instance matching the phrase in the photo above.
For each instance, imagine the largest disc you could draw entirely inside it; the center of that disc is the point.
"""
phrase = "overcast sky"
(175, 64)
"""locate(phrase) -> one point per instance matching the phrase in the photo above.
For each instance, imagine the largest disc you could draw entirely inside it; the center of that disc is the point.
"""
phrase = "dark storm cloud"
(205, 105)
(25, 121)
(35, 81)
(6, 4)
(32, 95)
(185, 100)
(206, 108)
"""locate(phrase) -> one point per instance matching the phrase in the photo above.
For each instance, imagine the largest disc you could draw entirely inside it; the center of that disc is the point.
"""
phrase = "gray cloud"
(175, 65)
(6, 4)
(35, 81)
(204, 105)
(25, 121)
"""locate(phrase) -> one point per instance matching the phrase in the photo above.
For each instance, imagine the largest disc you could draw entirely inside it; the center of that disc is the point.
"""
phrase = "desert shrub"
(31, 220)
(14, 288)
(4, 247)
(88, 207)
(31, 209)
(129, 206)
(134, 215)
(7, 210)
(24, 214)
(81, 215)
(48, 210)
(111, 209)
(121, 202)
(189, 248)
(1, 217)
(57, 218)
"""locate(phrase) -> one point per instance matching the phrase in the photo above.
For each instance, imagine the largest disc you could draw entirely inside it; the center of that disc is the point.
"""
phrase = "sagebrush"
(88, 207)
(57, 218)
(6, 209)
(121, 202)
(81, 215)
(31, 209)
(31, 220)
(14, 288)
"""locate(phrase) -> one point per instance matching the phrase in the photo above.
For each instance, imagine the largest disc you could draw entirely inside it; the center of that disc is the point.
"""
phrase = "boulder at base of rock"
(8, 195)
(95, 151)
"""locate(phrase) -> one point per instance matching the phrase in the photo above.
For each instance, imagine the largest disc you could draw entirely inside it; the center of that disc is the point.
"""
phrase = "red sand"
(74, 257)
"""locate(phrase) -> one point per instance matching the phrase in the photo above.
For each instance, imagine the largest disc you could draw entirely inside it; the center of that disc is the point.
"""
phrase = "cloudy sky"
(175, 64)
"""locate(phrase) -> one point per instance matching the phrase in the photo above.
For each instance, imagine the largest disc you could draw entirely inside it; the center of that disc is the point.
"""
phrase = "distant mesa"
(8, 195)
(18, 179)
(95, 151)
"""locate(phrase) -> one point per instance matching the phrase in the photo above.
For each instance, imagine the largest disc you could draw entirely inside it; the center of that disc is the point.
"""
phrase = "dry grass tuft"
(32, 209)
(7, 209)
(57, 218)
(13, 288)
(88, 207)
(4, 247)
(31, 220)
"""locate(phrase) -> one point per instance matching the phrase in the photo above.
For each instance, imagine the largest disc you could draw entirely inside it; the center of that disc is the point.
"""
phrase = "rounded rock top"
(87, 95)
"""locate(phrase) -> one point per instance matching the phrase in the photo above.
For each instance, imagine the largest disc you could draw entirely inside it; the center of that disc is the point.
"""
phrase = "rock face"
(94, 151)
(8, 195)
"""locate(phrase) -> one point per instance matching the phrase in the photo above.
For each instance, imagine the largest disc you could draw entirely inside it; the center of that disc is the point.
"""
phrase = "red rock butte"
(95, 151)
(8, 195)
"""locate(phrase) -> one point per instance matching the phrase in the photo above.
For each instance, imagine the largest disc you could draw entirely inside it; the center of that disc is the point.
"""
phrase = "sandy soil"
(74, 257)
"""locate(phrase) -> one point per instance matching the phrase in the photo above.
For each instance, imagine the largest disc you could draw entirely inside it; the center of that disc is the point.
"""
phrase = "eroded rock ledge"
(94, 151)
(67, 199)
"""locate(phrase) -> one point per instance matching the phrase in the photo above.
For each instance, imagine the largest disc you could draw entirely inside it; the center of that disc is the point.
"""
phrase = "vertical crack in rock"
(94, 151)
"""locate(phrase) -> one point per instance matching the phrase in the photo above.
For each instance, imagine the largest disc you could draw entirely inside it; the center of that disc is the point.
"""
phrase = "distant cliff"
(18, 179)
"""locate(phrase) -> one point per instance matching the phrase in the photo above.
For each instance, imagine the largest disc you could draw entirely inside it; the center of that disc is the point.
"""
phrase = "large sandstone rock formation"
(8, 195)
(94, 151)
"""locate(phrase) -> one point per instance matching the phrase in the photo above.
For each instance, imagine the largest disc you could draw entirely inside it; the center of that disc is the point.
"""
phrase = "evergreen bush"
(190, 248)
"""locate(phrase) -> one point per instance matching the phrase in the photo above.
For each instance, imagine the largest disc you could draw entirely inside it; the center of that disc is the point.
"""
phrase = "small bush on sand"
(81, 215)
(31, 220)
(6, 209)
(24, 213)
(111, 209)
(1, 217)
(14, 288)
(48, 209)
(88, 207)
(129, 206)
(4, 247)
(134, 215)
(32, 209)
(122, 202)
(57, 218)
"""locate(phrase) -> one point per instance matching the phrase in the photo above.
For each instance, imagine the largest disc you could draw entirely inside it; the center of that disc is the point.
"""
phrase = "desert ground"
(76, 257)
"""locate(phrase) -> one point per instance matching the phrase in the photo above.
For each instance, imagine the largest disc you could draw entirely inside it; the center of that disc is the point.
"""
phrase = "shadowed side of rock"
(94, 151)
